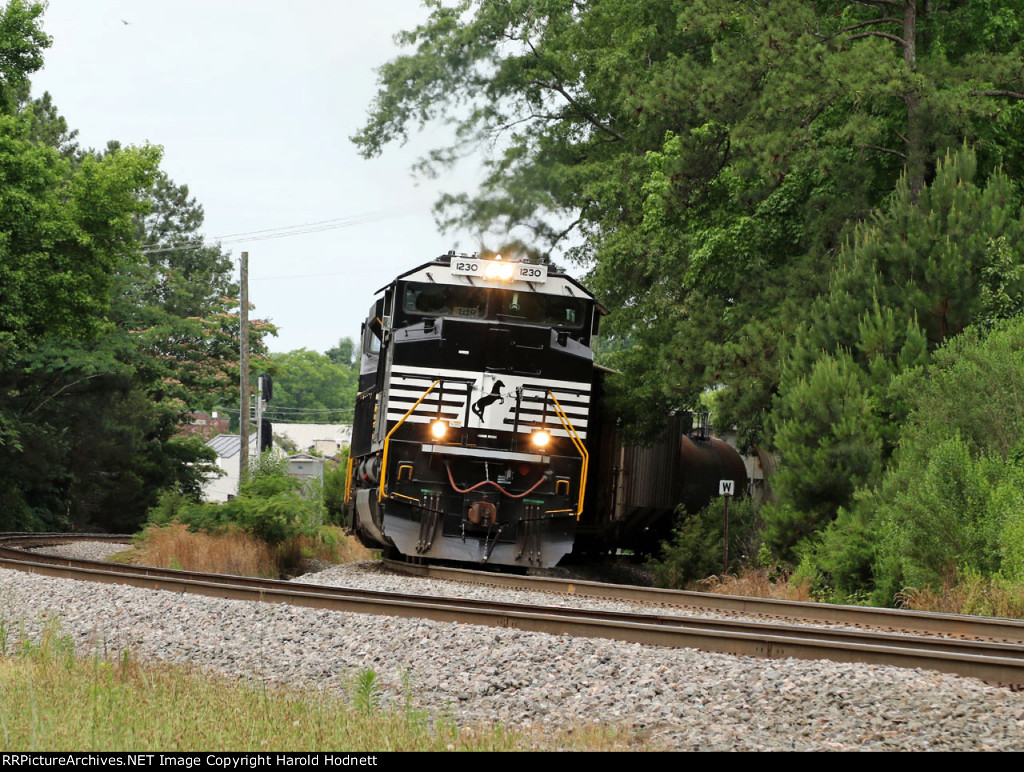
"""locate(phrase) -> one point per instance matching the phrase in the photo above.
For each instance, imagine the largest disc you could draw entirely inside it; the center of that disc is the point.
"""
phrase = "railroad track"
(1000, 662)
(882, 619)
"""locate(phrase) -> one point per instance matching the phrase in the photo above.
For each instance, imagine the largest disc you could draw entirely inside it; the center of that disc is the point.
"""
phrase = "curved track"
(992, 661)
(882, 619)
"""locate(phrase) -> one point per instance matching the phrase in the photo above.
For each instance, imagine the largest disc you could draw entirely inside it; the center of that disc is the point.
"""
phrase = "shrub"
(271, 506)
(695, 550)
(334, 491)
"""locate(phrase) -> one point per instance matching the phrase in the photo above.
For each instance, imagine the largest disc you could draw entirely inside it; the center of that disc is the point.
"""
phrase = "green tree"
(829, 444)
(696, 549)
(103, 346)
(50, 128)
(178, 306)
(708, 155)
(345, 354)
(912, 277)
(22, 42)
(65, 231)
(928, 257)
(949, 504)
(955, 74)
(182, 275)
(310, 387)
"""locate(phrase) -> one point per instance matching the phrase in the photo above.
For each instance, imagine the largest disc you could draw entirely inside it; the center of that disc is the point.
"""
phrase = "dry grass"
(232, 552)
(756, 583)
(973, 595)
(333, 545)
(237, 553)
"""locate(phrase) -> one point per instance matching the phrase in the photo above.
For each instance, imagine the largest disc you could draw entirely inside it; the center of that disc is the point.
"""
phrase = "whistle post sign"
(726, 488)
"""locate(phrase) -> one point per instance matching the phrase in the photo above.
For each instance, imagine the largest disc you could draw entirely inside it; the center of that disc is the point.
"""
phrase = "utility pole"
(259, 413)
(243, 412)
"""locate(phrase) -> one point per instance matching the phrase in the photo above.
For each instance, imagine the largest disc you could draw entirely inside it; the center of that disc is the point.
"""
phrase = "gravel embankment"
(677, 698)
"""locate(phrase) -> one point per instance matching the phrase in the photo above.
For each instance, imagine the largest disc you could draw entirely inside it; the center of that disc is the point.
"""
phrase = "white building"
(322, 439)
(228, 447)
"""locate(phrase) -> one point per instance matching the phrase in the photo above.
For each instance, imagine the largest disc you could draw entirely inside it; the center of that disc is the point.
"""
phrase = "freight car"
(480, 431)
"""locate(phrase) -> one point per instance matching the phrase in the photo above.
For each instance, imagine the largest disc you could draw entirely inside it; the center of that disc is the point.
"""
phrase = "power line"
(316, 275)
(236, 411)
(276, 233)
(314, 409)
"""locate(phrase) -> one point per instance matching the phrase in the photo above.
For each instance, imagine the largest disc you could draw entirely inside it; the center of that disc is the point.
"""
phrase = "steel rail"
(902, 620)
(989, 661)
(146, 575)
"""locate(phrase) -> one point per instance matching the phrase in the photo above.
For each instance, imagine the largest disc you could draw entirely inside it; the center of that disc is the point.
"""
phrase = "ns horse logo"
(489, 399)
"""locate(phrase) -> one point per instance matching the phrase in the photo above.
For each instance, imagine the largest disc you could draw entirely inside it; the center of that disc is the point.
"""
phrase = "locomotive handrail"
(571, 430)
(387, 440)
(348, 477)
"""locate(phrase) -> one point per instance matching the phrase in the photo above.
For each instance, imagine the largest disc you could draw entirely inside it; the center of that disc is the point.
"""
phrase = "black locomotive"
(479, 432)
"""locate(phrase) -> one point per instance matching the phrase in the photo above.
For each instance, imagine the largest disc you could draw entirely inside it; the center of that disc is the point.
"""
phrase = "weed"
(366, 692)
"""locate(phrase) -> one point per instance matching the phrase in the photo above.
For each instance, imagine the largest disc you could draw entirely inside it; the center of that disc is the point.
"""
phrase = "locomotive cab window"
(371, 341)
(444, 300)
(373, 331)
(548, 310)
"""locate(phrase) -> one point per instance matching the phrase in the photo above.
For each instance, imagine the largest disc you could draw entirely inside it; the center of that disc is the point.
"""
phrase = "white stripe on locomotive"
(407, 384)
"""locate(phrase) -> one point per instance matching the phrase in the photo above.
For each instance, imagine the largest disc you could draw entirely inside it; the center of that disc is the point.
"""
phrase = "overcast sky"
(253, 103)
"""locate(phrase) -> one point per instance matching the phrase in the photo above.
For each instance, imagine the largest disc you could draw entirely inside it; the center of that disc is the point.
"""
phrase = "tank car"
(470, 429)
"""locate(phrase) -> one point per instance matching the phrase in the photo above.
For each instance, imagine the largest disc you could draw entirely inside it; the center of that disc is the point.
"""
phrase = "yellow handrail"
(348, 476)
(579, 446)
(387, 440)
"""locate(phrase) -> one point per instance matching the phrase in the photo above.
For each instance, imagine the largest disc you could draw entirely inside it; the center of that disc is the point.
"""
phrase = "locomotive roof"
(444, 261)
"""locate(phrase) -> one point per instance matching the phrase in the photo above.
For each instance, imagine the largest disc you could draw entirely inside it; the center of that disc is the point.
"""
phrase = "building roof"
(228, 445)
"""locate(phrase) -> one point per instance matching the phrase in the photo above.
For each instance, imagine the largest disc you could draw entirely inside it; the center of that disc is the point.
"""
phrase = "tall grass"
(235, 552)
(55, 702)
(975, 595)
(756, 583)
(969, 594)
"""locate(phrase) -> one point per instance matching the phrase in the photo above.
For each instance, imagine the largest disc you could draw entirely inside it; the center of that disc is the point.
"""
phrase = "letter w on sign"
(725, 487)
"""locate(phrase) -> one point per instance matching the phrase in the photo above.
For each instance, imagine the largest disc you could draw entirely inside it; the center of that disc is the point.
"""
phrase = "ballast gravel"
(678, 699)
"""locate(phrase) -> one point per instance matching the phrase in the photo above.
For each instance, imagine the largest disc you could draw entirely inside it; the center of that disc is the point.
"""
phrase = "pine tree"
(910, 280)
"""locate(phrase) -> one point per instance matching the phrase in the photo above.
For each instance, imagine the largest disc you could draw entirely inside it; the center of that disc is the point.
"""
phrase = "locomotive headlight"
(541, 438)
(502, 271)
(438, 429)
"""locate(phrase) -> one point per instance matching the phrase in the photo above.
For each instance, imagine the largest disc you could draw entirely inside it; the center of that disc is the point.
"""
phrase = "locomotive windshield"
(548, 310)
(425, 299)
(445, 300)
